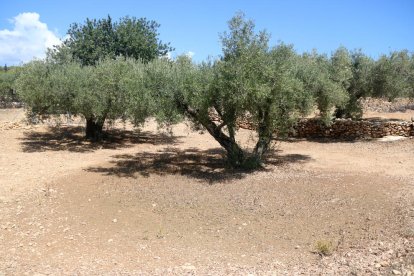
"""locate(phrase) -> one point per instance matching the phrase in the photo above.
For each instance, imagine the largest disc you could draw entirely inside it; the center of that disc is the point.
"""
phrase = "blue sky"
(193, 26)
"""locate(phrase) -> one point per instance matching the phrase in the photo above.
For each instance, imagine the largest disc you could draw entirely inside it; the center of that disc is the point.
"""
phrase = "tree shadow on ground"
(72, 139)
(207, 165)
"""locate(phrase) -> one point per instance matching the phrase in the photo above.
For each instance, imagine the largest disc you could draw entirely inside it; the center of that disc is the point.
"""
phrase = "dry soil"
(147, 202)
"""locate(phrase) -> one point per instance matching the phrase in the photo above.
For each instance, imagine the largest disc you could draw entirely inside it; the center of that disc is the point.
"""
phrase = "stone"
(384, 263)
(188, 267)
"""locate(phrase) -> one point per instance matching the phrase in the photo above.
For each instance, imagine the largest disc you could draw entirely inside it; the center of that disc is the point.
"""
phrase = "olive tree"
(392, 75)
(411, 77)
(98, 39)
(328, 93)
(338, 82)
(358, 84)
(97, 92)
(250, 79)
(90, 73)
(8, 77)
(34, 87)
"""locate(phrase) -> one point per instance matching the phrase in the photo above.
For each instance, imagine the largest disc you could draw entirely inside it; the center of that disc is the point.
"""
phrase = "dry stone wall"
(341, 128)
(349, 129)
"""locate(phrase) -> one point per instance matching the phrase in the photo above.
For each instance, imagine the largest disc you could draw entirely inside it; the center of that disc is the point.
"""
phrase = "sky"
(28, 27)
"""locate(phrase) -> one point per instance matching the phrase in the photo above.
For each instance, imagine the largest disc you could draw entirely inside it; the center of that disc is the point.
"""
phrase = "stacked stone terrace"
(342, 128)
(349, 129)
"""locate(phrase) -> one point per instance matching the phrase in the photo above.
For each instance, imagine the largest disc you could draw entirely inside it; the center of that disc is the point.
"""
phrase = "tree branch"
(220, 126)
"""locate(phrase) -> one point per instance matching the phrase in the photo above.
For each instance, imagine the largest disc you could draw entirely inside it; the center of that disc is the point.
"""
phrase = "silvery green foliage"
(95, 92)
(103, 95)
(272, 86)
(251, 79)
(341, 67)
(393, 75)
(8, 76)
(34, 86)
(328, 93)
(360, 85)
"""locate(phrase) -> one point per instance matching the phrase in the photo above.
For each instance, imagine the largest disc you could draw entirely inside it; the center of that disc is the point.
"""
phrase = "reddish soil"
(147, 202)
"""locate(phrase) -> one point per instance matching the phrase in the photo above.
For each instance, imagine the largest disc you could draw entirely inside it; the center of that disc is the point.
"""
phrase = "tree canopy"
(393, 75)
(86, 75)
(250, 79)
(8, 77)
(109, 70)
(102, 38)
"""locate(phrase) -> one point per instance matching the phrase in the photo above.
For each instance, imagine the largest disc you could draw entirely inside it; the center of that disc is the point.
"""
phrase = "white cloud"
(29, 39)
(168, 56)
(190, 54)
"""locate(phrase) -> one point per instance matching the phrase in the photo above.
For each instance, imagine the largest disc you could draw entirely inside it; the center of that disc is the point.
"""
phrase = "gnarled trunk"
(262, 146)
(265, 136)
(94, 128)
(235, 154)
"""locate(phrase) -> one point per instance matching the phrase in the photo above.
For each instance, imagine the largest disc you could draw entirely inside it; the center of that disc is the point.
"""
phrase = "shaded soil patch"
(209, 165)
(72, 139)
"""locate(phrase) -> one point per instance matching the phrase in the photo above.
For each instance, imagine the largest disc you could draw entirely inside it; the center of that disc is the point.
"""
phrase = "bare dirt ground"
(148, 203)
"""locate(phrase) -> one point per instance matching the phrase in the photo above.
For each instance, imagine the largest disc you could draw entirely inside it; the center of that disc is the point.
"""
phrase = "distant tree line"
(110, 70)
(8, 77)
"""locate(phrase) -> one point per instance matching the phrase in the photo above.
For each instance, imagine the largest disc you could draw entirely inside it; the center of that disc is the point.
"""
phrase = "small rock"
(188, 267)
(114, 220)
(297, 247)
(110, 240)
(384, 263)
(396, 272)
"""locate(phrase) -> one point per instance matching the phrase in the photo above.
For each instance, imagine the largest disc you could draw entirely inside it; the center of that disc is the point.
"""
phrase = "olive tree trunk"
(265, 133)
(94, 128)
(235, 154)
